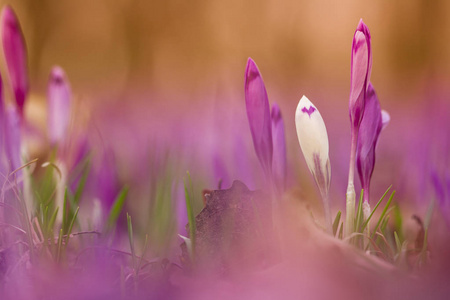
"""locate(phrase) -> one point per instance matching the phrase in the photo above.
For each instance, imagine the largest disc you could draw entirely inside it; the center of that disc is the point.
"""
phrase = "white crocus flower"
(313, 139)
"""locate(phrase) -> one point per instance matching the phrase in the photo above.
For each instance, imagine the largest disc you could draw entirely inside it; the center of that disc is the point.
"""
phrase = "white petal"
(311, 132)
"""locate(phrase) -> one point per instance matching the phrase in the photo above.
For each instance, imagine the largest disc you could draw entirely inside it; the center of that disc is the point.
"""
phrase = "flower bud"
(15, 55)
(58, 97)
(258, 113)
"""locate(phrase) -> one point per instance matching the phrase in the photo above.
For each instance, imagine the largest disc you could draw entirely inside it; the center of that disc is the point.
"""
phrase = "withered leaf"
(234, 229)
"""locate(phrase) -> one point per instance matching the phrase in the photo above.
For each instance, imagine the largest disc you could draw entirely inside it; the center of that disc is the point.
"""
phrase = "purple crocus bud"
(58, 97)
(258, 113)
(361, 67)
(279, 149)
(12, 138)
(369, 132)
(15, 55)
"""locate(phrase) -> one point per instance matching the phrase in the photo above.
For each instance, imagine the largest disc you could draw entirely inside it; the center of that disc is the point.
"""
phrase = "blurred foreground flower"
(258, 113)
(58, 97)
(279, 162)
(15, 55)
(442, 190)
(361, 67)
(369, 131)
(313, 139)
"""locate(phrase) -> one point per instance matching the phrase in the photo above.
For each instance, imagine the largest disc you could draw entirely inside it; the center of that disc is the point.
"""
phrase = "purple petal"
(279, 162)
(58, 97)
(361, 68)
(443, 199)
(309, 111)
(258, 113)
(15, 55)
(369, 132)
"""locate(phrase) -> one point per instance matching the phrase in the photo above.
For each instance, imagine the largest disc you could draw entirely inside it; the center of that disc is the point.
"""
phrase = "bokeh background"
(197, 46)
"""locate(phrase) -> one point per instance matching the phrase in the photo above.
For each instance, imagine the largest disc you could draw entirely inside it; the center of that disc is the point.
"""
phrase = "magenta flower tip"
(361, 68)
(14, 49)
(258, 114)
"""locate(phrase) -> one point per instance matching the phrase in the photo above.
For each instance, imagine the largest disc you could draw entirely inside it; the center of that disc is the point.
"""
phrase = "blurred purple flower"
(107, 184)
(12, 138)
(58, 97)
(361, 68)
(258, 113)
(443, 195)
(279, 163)
(15, 52)
(369, 132)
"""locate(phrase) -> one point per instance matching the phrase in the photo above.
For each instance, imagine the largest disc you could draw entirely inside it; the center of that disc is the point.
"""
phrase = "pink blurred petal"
(15, 52)
(58, 97)
(258, 113)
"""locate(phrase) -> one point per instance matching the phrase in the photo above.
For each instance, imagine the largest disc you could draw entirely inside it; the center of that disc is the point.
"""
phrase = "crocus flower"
(279, 149)
(313, 139)
(369, 131)
(361, 68)
(58, 97)
(258, 113)
(15, 55)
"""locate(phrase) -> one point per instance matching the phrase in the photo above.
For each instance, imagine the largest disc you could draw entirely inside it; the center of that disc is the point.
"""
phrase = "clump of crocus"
(58, 97)
(361, 67)
(313, 139)
(15, 55)
(369, 131)
(258, 113)
(279, 163)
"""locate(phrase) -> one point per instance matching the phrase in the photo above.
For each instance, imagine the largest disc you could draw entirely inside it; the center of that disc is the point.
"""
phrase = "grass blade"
(374, 209)
(130, 236)
(359, 214)
(397, 242)
(383, 214)
(142, 255)
(116, 208)
(336, 222)
(69, 231)
(58, 254)
(51, 223)
(190, 213)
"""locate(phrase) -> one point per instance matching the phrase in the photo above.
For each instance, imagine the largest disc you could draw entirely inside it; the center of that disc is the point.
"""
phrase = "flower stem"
(350, 196)
(327, 211)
